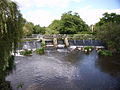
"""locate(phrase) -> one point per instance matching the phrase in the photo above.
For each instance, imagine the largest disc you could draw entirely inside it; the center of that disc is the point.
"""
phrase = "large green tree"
(112, 17)
(69, 24)
(108, 30)
(53, 28)
(11, 30)
(72, 24)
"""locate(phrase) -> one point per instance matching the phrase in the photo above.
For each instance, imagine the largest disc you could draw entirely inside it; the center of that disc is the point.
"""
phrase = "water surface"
(64, 70)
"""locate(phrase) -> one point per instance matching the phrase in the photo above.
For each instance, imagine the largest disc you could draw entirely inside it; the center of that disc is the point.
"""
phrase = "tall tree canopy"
(112, 17)
(108, 30)
(54, 27)
(11, 30)
(69, 24)
(29, 28)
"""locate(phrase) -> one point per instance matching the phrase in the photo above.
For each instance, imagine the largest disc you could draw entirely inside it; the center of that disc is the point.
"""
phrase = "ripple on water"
(60, 71)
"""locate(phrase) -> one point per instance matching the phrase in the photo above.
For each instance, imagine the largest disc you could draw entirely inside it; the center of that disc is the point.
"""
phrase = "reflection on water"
(110, 65)
(66, 70)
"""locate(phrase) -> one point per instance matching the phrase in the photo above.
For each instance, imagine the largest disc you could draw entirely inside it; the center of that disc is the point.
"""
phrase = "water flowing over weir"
(86, 42)
(29, 45)
(37, 44)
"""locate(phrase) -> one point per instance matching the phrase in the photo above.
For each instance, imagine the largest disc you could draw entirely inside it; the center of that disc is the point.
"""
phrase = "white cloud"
(24, 4)
(92, 16)
(45, 17)
(39, 15)
(42, 17)
(89, 15)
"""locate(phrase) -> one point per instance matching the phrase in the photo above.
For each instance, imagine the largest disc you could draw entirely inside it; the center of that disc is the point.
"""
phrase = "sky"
(43, 12)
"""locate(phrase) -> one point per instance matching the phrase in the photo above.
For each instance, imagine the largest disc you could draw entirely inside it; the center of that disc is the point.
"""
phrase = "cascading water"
(29, 45)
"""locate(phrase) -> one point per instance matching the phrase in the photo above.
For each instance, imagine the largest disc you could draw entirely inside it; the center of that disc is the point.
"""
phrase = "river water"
(65, 70)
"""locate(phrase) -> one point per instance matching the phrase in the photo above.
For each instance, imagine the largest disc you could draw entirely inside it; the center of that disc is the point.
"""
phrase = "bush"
(43, 44)
(118, 50)
(105, 53)
(88, 48)
(26, 52)
(40, 51)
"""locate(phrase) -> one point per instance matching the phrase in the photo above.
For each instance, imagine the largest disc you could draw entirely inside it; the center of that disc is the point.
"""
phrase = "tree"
(112, 17)
(11, 30)
(54, 27)
(69, 24)
(28, 28)
(38, 30)
(108, 30)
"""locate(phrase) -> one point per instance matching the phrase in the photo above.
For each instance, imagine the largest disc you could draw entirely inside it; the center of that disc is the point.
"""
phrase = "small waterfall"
(38, 45)
(91, 41)
(26, 45)
(83, 42)
(31, 45)
(75, 42)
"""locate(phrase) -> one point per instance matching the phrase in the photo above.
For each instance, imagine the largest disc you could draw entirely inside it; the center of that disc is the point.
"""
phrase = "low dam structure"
(65, 41)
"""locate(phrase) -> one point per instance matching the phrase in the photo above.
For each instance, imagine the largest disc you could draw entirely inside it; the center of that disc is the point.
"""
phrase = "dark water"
(86, 42)
(65, 70)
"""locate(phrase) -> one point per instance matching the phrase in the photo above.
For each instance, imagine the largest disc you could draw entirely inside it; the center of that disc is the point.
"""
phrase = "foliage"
(108, 30)
(53, 28)
(105, 53)
(40, 51)
(5, 85)
(11, 64)
(20, 85)
(88, 48)
(82, 36)
(50, 31)
(11, 30)
(38, 30)
(28, 28)
(43, 44)
(112, 17)
(68, 24)
(26, 52)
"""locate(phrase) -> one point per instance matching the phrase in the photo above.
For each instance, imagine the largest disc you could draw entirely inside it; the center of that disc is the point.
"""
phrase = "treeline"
(29, 28)
(70, 23)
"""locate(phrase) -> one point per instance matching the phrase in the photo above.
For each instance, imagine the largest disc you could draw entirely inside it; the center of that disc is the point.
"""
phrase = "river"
(65, 70)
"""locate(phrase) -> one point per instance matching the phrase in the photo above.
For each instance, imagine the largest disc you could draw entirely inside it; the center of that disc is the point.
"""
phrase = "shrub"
(43, 44)
(40, 51)
(26, 52)
(88, 48)
(105, 53)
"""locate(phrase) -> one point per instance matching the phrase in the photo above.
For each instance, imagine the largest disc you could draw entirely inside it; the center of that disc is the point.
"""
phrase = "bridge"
(63, 40)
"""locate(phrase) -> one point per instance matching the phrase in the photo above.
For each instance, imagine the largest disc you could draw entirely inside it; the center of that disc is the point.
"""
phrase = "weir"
(61, 41)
